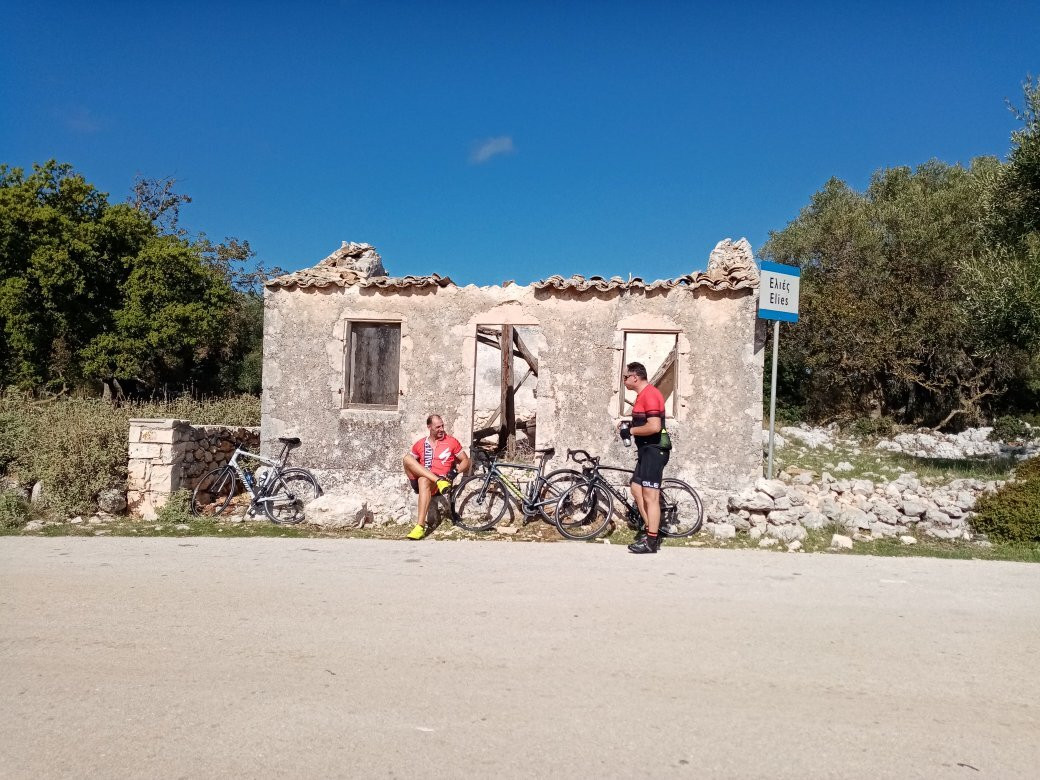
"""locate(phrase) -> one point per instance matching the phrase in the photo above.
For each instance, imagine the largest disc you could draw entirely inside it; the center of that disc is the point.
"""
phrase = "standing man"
(646, 426)
(430, 467)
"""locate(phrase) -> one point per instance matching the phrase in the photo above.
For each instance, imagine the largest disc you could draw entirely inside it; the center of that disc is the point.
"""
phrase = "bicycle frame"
(591, 468)
(256, 496)
(526, 503)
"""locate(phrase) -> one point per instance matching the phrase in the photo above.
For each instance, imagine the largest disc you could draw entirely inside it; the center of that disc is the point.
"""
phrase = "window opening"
(373, 364)
(659, 352)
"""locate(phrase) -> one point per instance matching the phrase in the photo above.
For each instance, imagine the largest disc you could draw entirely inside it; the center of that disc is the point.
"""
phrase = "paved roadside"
(310, 658)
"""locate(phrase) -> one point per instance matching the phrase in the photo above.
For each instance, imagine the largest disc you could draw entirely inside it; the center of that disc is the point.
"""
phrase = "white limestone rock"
(912, 508)
(771, 487)
(786, 533)
(840, 542)
(337, 510)
(722, 530)
(751, 500)
(814, 520)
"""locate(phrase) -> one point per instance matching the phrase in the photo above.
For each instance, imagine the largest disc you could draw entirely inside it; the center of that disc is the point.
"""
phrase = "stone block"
(148, 451)
(163, 479)
(158, 435)
(137, 471)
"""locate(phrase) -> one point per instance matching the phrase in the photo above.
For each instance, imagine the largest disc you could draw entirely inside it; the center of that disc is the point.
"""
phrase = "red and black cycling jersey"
(649, 403)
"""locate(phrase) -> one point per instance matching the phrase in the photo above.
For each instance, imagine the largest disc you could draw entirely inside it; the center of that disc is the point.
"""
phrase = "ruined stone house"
(355, 360)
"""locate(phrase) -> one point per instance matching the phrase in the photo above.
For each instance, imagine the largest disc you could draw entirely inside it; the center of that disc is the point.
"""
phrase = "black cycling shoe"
(645, 545)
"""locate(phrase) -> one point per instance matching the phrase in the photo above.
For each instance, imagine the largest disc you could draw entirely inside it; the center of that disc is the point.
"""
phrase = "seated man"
(431, 465)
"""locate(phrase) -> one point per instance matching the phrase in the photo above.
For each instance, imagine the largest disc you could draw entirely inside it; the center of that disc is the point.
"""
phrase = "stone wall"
(166, 455)
(580, 343)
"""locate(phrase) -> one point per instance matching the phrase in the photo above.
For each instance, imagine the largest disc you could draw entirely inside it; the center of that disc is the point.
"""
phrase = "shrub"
(1028, 470)
(177, 508)
(1010, 428)
(12, 438)
(872, 427)
(1012, 514)
(14, 510)
(78, 447)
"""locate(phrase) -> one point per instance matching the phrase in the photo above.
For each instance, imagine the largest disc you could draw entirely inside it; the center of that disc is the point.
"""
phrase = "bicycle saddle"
(548, 452)
(291, 443)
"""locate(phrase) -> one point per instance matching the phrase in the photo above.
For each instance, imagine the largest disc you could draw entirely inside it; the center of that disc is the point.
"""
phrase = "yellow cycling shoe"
(417, 533)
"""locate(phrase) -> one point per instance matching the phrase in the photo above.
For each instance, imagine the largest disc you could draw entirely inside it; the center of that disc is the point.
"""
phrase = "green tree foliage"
(920, 297)
(1002, 284)
(1016, 198)
(94, 292)
(882, 329)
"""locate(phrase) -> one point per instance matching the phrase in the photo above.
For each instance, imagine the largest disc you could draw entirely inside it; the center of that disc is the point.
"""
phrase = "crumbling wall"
(716, 433)
(167, 455)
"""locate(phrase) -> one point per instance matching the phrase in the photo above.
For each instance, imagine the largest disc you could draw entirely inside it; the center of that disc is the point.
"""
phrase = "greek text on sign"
(778, 292)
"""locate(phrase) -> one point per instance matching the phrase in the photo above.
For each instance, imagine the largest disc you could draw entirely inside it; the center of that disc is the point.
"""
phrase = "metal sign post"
(778, 301)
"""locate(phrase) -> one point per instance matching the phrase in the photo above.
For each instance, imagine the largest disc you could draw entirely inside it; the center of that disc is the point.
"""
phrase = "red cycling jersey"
(438, 456)
(649, 403)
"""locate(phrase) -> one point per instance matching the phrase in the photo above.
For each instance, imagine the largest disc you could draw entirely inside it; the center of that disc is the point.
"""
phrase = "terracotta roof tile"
(731, 266)
(354, 264)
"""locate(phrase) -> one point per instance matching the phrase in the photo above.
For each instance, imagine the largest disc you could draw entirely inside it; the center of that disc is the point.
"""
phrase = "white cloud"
(490, 147)
(79, 119)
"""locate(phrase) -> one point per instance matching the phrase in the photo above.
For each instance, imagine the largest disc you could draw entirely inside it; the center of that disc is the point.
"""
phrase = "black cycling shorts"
(650, 466)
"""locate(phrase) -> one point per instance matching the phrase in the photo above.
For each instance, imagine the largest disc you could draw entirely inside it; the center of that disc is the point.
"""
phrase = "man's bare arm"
(463, 463)
(652, 426)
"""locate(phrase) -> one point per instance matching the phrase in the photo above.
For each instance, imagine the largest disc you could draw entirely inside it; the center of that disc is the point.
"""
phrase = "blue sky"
(492, 141)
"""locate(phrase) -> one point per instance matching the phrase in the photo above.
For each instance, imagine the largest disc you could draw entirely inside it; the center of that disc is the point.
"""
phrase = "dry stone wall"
(166, 455)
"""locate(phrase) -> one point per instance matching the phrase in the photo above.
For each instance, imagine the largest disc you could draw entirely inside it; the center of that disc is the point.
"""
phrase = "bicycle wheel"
(476, 509)
(286, 501)
(682, 511)
(213, 492)
(555, 484)
(583, 512)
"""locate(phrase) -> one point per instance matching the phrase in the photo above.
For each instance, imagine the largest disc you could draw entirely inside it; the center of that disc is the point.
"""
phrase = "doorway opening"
(505, 393)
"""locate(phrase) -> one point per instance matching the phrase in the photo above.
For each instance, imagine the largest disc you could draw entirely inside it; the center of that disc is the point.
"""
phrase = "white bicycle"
(283, 493)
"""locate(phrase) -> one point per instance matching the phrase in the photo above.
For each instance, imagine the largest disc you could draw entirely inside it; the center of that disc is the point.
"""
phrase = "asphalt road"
(360, 658)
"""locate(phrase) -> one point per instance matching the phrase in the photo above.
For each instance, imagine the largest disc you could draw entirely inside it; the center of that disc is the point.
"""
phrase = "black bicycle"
(480, 501)
(585, 510)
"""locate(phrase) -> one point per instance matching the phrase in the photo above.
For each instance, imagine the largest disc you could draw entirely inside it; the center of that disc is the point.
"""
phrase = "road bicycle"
(282, 493)
(585, 510)
(480, 501)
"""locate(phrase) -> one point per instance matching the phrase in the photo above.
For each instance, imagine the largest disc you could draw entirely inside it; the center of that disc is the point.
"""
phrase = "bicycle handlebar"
(582, 456)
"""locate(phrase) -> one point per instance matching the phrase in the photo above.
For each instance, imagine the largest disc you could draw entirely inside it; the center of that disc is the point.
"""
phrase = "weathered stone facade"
(582, 325)
(166, 455)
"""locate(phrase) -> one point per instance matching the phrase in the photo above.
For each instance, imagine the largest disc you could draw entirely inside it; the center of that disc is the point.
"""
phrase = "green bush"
(1010, 428)
(78, 447)
(177, 509)
(14, 510)
(13, 432)
(1012, 514)
(872, 427)
(1028, 470)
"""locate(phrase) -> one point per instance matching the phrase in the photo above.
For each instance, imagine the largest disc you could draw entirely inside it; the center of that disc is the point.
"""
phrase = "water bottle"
(625, 431)
(248, 479)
